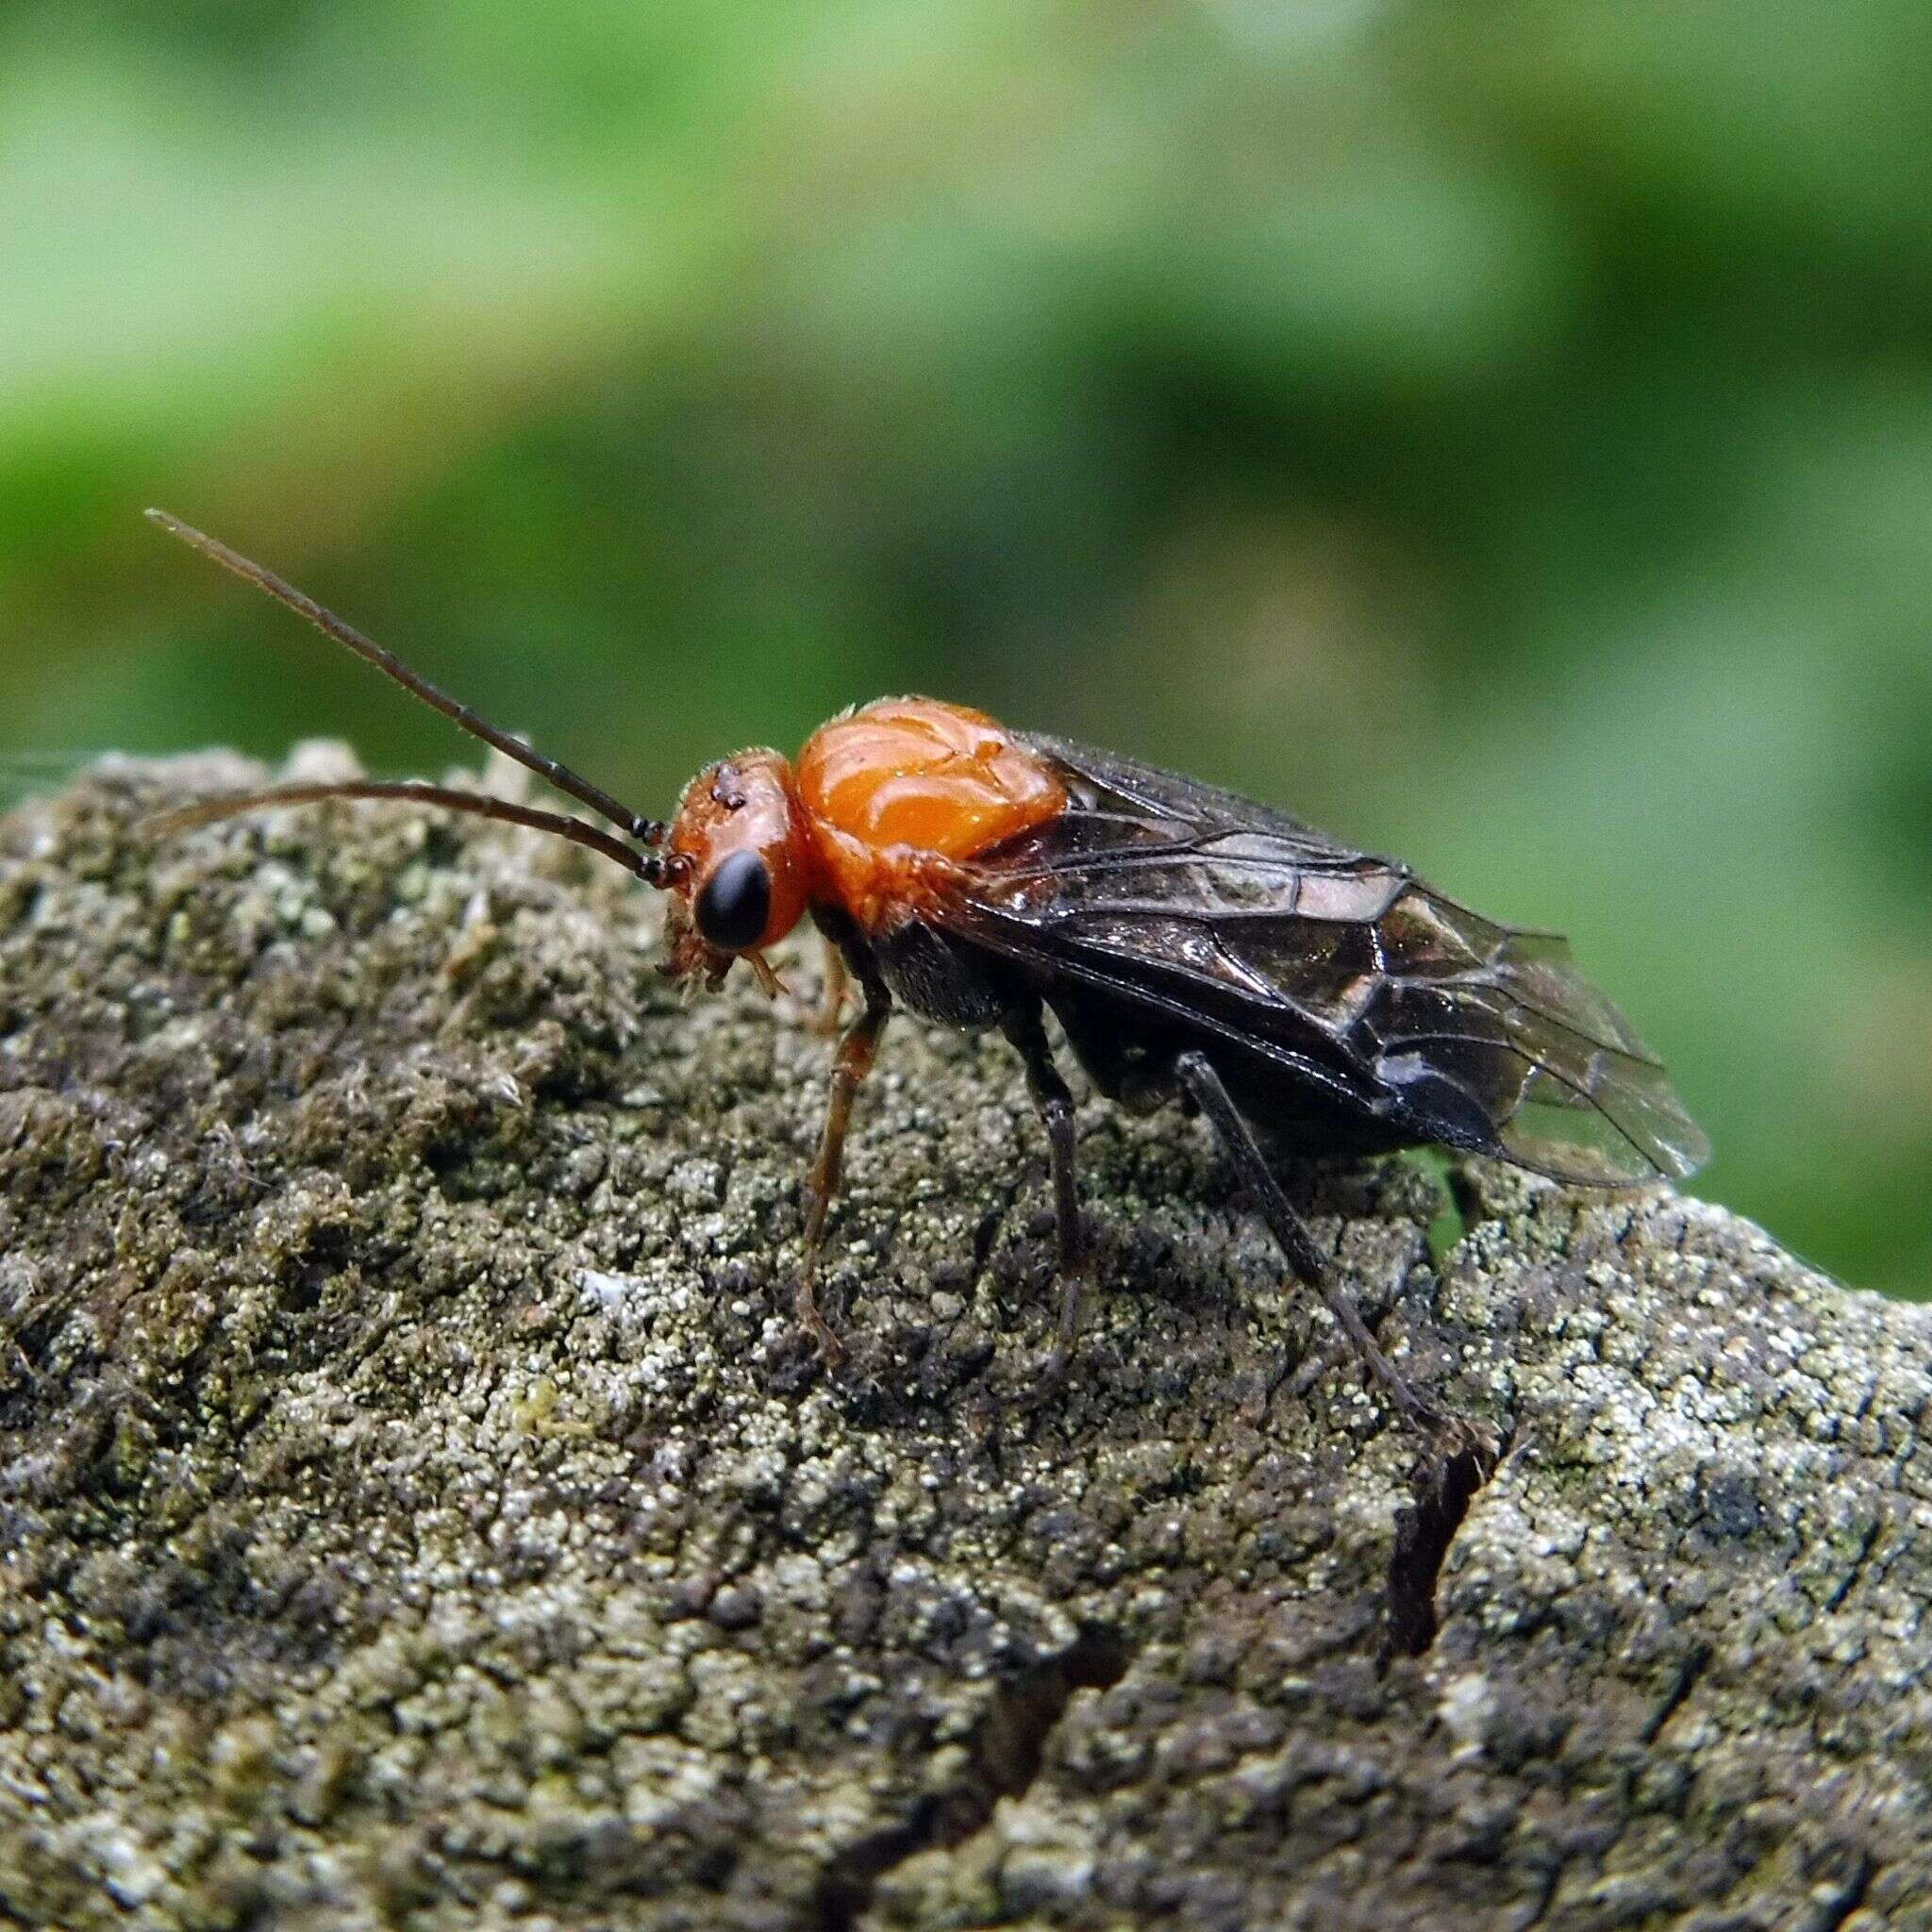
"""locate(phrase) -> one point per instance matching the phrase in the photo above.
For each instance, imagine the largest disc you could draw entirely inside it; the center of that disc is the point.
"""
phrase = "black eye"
(735, 902)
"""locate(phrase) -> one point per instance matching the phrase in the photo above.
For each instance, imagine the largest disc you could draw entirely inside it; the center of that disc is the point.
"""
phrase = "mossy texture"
(416, 1510)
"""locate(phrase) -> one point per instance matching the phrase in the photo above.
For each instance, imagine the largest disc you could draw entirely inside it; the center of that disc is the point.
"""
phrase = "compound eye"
(734, 903)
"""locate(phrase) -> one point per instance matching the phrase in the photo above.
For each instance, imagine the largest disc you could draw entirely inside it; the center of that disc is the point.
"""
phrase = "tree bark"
(417, 1509)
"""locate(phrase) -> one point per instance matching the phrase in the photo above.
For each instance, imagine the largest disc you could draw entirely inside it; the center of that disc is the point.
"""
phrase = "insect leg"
(850, 1066)
(1200, 1081)
(1054, 1103)
(837, 990)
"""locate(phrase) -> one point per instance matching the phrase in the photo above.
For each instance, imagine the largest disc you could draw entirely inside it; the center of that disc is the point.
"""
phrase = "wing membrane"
(1244, 923)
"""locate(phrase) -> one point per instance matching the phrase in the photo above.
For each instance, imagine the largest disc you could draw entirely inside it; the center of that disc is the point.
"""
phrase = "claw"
(831, 1350)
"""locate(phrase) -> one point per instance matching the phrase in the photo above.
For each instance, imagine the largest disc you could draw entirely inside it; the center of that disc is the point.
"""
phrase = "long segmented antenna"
(653, 868)
(645, 831)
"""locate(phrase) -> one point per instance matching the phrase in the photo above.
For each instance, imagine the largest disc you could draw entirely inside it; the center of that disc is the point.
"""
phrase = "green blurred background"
(1502, 432)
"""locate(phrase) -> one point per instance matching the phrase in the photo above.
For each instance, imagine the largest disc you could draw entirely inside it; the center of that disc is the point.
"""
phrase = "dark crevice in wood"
(1007, 1756)
(1424, 1532)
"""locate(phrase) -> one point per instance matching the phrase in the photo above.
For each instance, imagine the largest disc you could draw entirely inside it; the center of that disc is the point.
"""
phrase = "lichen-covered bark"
(416, 1510)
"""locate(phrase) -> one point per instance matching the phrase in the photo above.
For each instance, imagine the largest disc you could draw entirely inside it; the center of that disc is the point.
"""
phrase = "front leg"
(838, 991)
(1054, 1103)
(850, 1066)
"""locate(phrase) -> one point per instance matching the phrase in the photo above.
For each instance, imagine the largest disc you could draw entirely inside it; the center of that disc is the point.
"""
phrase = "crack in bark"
(1686, 1681)
(1006, 1755)
(1833, 1911)
(1423, 1531)
(1867, 1543)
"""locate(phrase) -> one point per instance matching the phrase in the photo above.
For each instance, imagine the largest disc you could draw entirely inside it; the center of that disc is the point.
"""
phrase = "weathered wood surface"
(415, 1510)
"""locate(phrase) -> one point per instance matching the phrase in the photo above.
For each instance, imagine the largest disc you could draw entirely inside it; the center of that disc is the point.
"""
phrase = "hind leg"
(1203, 1085)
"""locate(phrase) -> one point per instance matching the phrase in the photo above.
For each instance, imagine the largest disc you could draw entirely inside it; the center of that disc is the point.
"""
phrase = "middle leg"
(1054, 1103)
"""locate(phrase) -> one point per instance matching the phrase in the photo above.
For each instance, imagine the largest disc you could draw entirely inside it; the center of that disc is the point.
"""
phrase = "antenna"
(652, 867)
(645, 831)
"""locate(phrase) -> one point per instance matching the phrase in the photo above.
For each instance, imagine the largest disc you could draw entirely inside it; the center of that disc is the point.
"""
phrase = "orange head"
(738, 864)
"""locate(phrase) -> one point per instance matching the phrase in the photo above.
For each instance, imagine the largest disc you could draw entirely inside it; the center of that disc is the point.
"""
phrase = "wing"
(1227, 916)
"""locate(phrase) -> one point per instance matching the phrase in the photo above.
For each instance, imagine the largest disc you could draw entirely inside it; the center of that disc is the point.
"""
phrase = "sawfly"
(1195, 947)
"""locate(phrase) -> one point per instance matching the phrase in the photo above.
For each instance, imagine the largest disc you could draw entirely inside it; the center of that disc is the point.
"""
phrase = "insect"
(1194, 947)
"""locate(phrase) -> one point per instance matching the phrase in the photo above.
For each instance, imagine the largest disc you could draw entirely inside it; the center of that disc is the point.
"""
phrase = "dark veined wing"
(1235, 919)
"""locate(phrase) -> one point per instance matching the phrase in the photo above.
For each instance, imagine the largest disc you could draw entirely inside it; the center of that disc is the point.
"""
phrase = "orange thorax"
(896, 790)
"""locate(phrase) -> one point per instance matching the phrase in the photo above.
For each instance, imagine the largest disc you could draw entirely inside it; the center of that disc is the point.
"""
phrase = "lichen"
(416, 1508)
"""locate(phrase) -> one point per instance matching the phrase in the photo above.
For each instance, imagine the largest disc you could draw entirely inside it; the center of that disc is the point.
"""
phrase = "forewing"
(1183, 899)
(1571, 1087)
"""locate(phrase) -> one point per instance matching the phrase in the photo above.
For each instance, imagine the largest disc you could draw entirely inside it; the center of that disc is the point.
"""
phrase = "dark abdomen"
(1129, 1055)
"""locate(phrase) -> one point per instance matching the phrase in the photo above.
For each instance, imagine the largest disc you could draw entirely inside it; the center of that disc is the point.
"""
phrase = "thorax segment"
(897, 792)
